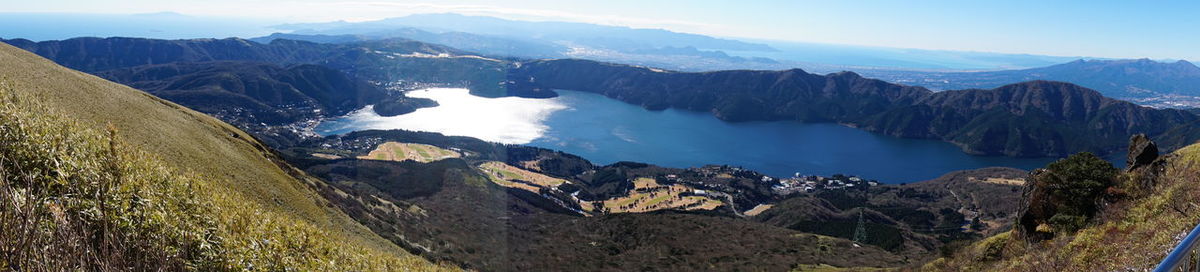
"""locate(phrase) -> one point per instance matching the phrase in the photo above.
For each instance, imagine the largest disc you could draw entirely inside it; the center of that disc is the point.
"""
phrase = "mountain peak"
(1184, 63)
(1140, 64)
(845, 74)
(1043, 85)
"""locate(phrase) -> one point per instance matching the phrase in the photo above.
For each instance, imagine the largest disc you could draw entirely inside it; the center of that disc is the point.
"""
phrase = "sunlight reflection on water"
(510, 120)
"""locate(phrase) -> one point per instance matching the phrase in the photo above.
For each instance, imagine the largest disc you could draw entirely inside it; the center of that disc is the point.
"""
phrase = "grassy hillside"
(448, 210)
(1131, 233)
(242, 207)
(918, 220)
(514, 222)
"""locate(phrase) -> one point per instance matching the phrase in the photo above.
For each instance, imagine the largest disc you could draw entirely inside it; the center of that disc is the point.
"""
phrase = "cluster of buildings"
(808, 184)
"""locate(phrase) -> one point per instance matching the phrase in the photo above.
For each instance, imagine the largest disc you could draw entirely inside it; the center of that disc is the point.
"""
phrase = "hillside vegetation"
(256, 92)
(1125, 78)
(166, 188)
(1142, 215)
(400, 61)
(538, 209)
(1034, 118)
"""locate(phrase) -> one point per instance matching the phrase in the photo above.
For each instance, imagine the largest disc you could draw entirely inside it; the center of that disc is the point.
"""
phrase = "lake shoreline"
(606, 131)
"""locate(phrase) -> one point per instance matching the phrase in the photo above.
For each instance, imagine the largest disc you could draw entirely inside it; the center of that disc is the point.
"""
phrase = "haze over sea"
(605, 131)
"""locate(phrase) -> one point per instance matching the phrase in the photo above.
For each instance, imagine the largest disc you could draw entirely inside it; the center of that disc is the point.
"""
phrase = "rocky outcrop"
(1143, 164)
(1142, 152)
(1037, 206)
(1066, 190)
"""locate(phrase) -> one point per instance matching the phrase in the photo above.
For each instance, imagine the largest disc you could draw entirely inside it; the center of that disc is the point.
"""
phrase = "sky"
(1098, 28)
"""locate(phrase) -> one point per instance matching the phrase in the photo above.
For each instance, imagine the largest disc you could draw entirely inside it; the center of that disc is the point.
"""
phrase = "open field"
(758, 209)
(507, 176)
(830, 268)
(648, 196)
(326, 156)
(394, 151)
(1002, 181)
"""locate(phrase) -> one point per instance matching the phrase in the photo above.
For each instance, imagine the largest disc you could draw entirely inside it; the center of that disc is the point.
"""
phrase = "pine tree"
(860, 232)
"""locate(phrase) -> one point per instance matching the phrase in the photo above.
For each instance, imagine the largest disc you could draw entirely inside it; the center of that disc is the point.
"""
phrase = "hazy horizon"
(1121, 29)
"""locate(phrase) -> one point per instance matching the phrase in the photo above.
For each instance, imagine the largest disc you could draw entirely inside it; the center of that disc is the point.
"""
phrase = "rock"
(1063, 197)
(1036, 207)
(1142, 152)
(1143, 164)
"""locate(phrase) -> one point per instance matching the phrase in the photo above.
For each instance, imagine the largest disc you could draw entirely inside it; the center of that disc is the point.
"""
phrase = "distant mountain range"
(590, 35)
(1165, 84)
(1036, 118)
(253, 91)
(99, 54)
(501, 37)
(649, 47)
(683, 58)
(419, 206)
(1141, 81)
(223, 195)
(279, 82)
(488, 45)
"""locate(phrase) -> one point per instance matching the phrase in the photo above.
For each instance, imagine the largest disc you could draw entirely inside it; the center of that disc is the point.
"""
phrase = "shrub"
(992, 248)
(1065, 223)
(1078, 182)
(73, 200)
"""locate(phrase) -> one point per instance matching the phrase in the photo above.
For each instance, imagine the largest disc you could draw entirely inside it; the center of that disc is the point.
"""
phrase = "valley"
(979, 122)
(347, 147)
(607, 131)
(558, 184)
(1026, 119)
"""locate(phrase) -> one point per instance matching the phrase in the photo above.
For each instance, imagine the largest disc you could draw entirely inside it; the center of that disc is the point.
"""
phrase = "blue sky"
(1116, 29)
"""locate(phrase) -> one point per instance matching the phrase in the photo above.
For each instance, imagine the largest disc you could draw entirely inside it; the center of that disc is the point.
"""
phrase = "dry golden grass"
(758, 209)
(648, 196)
(394, 151)
(1001, 181)
(1133, 235)
(830, 268)
(256, 197)
(326, 156)
(506, 175)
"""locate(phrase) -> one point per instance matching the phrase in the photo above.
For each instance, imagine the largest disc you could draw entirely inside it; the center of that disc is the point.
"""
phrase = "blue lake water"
(605, 130)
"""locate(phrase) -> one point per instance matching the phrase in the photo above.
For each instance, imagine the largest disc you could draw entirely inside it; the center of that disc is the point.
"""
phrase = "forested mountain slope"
(1036, 118)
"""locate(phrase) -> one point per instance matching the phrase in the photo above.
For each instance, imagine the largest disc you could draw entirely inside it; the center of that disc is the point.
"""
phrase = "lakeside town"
(797, 183)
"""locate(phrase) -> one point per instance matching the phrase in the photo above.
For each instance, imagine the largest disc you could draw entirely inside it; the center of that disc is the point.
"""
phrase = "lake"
(606, 130)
